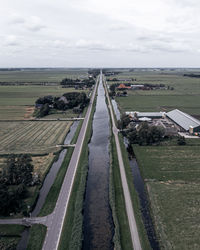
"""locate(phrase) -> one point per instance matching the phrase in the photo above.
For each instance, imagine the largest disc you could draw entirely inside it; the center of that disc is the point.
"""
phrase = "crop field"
(41, 75)
(32, 137)
(185, 96)
(172, 177)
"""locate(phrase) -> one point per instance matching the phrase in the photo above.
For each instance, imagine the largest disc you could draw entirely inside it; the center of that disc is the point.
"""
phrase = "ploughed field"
(36, 137)
(172, 177)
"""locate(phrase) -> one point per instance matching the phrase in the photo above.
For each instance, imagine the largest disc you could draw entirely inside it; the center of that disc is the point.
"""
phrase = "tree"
(123, 122)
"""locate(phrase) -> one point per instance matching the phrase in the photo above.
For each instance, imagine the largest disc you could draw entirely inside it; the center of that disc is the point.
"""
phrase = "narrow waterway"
(48, 182)
(140, 188)
(116, 110)
(98, 224)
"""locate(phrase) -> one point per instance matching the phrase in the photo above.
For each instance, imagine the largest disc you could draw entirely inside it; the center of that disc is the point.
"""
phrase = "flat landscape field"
(172, 177)
(32, 137)
(184, 96)
(39, 76)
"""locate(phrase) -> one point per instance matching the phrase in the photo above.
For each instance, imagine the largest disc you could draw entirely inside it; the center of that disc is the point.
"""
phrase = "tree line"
(72, 100)
(14, 180)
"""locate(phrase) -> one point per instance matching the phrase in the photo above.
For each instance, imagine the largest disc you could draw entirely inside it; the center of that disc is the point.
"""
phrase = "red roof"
(122, 86)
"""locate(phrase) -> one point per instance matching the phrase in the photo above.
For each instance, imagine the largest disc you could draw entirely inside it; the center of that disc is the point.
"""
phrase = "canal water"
(48, 182)
(140, 188)
(98, 224)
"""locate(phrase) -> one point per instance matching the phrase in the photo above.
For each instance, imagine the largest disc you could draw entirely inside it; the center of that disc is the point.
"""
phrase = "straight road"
(54, 229)
(129, 208)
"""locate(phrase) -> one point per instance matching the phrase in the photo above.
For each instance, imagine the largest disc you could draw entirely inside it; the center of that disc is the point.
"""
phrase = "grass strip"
(134, 197)
(52, 196)
(10, 236)
(122, 236)
(36, 238)
(72, 233)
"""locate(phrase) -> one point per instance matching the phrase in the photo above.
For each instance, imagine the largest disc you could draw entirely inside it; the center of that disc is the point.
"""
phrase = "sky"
(100, 33)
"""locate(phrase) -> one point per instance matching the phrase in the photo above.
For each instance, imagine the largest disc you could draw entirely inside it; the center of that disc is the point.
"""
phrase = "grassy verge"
(36, 238)
(71, 237)
(134, 197)
(52, 196)
(122, 236)
(10, 236)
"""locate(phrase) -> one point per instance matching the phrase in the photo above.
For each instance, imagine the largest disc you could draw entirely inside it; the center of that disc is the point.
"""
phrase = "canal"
(98, 224)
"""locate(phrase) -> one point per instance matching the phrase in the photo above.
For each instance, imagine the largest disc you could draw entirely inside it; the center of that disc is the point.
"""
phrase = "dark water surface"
(98, 224)
(48, 182)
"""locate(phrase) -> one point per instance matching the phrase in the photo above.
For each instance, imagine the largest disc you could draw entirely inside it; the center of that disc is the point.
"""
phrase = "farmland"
(23, 87)
(171, 174)
(32, 137)
(184, 96)
(38, 76)
(17, 102)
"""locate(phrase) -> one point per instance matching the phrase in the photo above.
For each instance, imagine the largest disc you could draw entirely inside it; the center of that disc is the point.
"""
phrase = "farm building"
(185, 121)
(152, 115)
(122, 86)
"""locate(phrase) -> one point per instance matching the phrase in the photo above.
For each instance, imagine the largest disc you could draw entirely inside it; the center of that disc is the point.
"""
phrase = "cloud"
(94, 45)
(17, 19)
(34, 24)
(11, 40)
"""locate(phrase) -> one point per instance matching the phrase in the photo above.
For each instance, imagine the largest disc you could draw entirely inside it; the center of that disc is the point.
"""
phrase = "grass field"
(41, 75)
(17, 102)
(185, 96)
(32, 137)
(172, 175)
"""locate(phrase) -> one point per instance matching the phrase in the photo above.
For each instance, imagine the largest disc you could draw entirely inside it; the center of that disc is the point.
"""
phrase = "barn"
(185, 121)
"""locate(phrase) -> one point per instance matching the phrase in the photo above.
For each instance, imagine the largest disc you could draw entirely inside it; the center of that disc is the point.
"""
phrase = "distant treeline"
(192, 75)
(77, 83)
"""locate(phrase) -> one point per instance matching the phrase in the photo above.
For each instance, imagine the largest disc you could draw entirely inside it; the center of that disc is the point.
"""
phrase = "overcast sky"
(100, 33)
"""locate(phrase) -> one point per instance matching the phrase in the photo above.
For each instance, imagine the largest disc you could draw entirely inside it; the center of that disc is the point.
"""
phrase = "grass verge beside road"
(134, 197)
(36, 238)
(71, 237)
(122, 236)
(52, 196)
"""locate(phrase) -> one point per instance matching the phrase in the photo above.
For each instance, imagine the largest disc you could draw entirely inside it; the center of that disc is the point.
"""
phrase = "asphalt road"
(54, 229)
(129, 208)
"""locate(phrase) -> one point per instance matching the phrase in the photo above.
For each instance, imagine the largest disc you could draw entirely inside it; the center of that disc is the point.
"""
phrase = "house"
(122, 86)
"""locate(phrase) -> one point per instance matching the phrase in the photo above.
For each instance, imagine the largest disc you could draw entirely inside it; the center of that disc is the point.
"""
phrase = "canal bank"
(47, 185)
(138, 193)
(98, 225)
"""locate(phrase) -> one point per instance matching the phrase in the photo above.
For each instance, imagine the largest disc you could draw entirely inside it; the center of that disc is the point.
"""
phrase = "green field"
(185, 96)
(41, 75)
(17, 100)
(32, 137)
(172, 175)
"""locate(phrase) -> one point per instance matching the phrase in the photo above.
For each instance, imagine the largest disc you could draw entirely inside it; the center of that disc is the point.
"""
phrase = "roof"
(145, 114)
(182, 119)
(149, 114)
(144, 119)
(122, 86)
